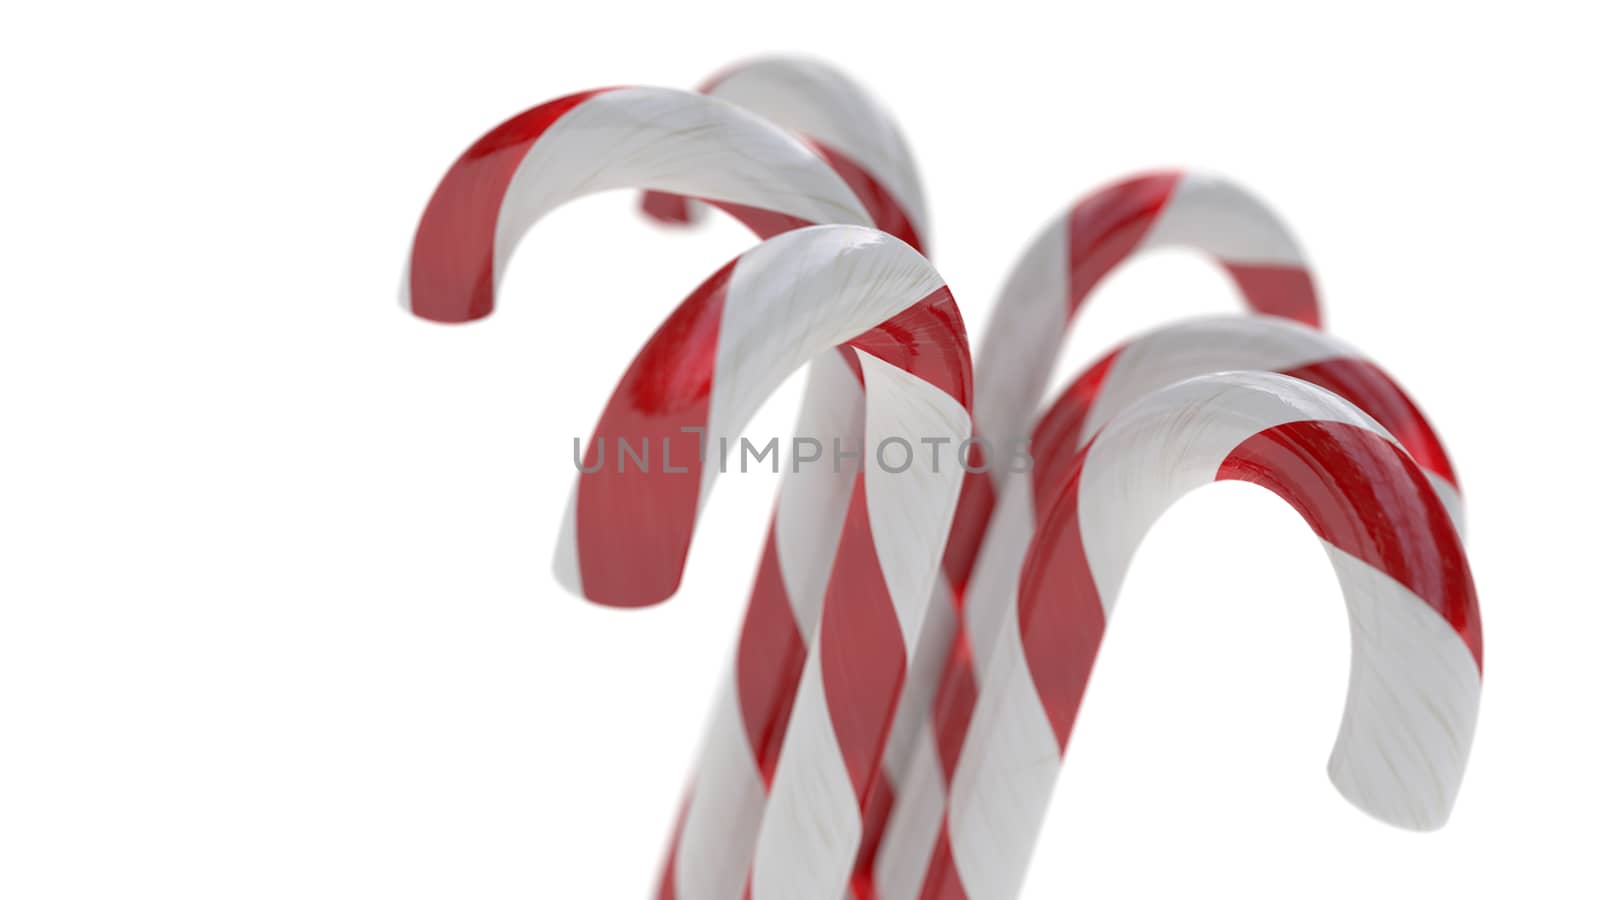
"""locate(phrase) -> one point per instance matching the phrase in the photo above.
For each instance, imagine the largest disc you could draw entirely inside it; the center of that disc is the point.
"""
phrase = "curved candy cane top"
(1159, 358)
(601, 140)
(1417, 641)
(845, 124)
(717, 358)
(1048, 286)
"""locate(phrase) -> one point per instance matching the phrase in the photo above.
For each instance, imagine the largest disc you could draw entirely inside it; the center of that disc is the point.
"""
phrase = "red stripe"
(667, 887)
(903, 341)
(668, 209)
(861, 649)
(1366, 496)
(943, 881)
(772, 654)
(1285, 291)
(953, 704)
(1059, 432)
(1371, 389)
(973, 510)
(1059, 612)
(634, 527)
(874, 819)
(886, 212)
(1107, 227)
(452, 256)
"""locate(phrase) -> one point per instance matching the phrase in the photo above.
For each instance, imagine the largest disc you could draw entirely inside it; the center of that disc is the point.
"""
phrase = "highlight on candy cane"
(607, 139)
(1042, 297)
(841, 121)
(626, 534)
(1159, 358)
(1417, 640)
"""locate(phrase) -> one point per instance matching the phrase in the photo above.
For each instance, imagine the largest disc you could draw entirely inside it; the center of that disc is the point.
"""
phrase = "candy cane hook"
(841, 121)
(706, 148)
(704, 373)
(1159, 358)
(636, 137)
(1417, 641)
(719, 356)
(1042, 296)
(1056, 274)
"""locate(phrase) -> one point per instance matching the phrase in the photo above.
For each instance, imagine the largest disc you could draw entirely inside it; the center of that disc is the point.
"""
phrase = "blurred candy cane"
(1417, 641)
(1041, 298)
(698, 380)
(602, 140)
(1047, 288)
(841, 122)
(1159, 358)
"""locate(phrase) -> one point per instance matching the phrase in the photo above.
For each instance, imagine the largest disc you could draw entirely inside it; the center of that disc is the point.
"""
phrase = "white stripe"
(1412, 706)
(992, 589)
(922, 684)
(796, 296)
(1005, 777)
(667, 140)
(1202, 346)
(1020, 345)
(913, 827)
(819, 101)
(1452, 501)
(1218, 217)
(725, 806)
(814, 498)
(1172, 442)
(567, 571)
(806, 843)
(909, 511)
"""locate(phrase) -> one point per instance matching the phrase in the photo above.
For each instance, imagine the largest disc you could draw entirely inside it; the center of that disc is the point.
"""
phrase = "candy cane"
(1041, 298)
(707, 148)
(601, 140)
(841, 122)
(712, 363)
(1047, 288)
(1159, 358)
(1417, 642)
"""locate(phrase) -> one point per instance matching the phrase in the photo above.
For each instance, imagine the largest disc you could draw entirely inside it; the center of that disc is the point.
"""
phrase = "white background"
(276, 616)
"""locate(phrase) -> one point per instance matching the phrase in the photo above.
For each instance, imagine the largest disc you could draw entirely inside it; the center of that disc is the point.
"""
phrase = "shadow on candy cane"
(627, 532)
(1417, 641)
(1157, 359)
(692, 145)
(1042, 297)
(839, 120)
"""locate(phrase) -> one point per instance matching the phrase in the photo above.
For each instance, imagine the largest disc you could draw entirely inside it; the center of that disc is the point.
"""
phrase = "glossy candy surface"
(1417, 639)
(1120, 378)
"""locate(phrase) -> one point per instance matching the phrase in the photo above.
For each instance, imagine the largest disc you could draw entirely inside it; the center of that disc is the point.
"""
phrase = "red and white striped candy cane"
(706, 148)
(1417, 641)
(607, 139)
(1046, 290)
(841, 121)
(705, 372)
(1043, 295)
(1155, 360)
